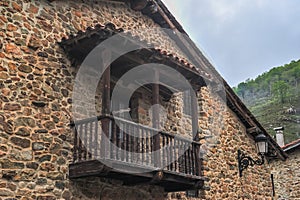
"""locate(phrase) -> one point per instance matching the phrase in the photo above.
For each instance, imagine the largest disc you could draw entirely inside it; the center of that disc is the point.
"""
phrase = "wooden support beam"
(194, 104)
(106, 55)
(155, 117)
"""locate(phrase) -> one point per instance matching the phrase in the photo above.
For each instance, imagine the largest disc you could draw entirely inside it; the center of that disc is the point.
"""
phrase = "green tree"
(280, 90)
(241, 89)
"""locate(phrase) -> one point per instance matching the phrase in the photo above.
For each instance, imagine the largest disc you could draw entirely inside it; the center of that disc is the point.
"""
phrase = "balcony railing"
(118, 143)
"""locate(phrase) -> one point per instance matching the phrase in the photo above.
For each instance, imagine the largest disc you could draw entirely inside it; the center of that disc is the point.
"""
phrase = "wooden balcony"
(135, 154)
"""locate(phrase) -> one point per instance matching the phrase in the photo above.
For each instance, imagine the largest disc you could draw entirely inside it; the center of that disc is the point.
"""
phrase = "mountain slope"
(274, 98)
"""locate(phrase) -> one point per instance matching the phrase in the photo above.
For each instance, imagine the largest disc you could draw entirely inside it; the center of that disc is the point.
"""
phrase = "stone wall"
(287, 176)
(36, 83)
(220, 160)
(223, 134)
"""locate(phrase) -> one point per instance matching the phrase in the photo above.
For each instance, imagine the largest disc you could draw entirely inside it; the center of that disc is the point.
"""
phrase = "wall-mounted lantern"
(245, 161)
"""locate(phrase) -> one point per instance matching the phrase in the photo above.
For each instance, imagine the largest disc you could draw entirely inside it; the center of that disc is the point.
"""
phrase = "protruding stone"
(7, 164)
(25, 175)
(45, 158)
(22, 142)
(12, 107)
(12, 186)
(11, 27)
(34, 43)
(16, 6)
(5, 193)
(46, 26)
(25, 121)
(25, 68)
(33, 9)
(55, 107)
(55, 176)
(41, 130)
(32, 165)
(37, 146)
(46, 88)
(49, 125)
(60, 185)
(39, 103)
(22, 155)
(65, 92)
(66, 194)
(11, 48)
(41, 181)
(4, 75)
(43, 54)
(46, 166)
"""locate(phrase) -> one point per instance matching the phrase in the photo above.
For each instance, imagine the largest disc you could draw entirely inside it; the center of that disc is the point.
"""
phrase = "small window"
(187, 99)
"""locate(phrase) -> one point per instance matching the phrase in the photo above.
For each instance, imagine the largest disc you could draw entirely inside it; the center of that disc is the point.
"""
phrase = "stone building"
(66, 133)
(287, 173)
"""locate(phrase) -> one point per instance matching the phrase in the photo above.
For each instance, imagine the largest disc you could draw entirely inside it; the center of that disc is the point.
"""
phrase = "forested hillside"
(274, 98)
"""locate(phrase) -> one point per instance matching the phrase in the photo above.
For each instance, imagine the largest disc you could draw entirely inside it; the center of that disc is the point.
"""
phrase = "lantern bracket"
(245, 161)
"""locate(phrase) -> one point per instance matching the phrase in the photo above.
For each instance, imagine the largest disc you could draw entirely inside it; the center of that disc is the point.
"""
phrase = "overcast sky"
(242, 38)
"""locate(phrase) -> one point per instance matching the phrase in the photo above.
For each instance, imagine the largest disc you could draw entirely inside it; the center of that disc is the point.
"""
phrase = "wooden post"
(155, 118)
(105, 102)
(194, 114)
(198, 162)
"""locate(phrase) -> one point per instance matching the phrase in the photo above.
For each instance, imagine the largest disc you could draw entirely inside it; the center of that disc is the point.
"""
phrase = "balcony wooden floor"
(131, 174)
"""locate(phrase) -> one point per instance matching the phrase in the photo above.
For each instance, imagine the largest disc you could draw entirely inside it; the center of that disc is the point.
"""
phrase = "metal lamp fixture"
(245, 161)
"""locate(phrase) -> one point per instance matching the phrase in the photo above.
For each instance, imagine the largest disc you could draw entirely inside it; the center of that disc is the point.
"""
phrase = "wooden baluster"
(85, 139)
(123, 142)
(96, 145)
(109, 139)
(171, 153)
(179, 154)
(182, 155)
(118, 143)
(75, 147)
(80, 143)
(138, 145)
(175, 155)
(189, 159)
(134, 143)
(193, 159)
(186, 159)
(168, 152)
(90, 145)
(130, 143)
(147, 147)
(143, 145)
(127, 142)
(163, 151)
(113, 140)
(152, 149)
(198, 165)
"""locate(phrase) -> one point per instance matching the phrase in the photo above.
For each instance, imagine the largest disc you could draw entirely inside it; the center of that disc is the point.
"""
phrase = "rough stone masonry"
(36, 79)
